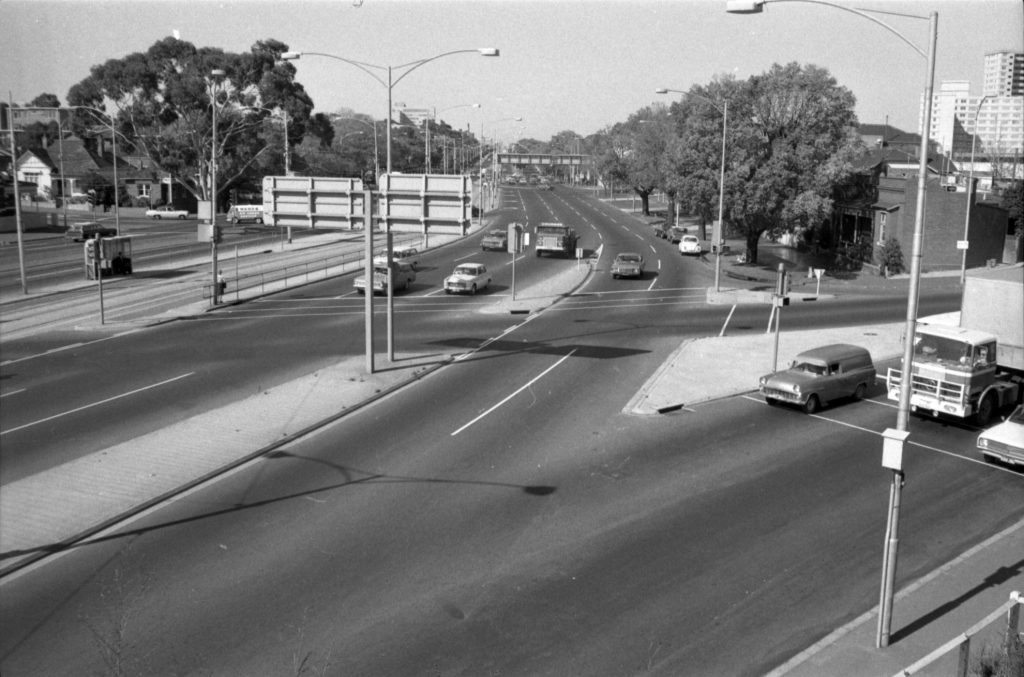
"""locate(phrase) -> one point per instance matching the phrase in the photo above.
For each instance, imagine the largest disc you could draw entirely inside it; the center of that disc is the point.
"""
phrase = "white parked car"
(689, 244)
(1005, 442)
(166, 212)
(467, 278)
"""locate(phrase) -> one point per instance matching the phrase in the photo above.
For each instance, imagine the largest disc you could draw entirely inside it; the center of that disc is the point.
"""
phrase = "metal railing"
(962, 643)
(253, 283)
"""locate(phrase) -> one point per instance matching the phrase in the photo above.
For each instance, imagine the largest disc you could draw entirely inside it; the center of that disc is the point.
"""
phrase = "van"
(403, 275)
(821, 375)
(87, 230)
(239, 213)
(407, 253)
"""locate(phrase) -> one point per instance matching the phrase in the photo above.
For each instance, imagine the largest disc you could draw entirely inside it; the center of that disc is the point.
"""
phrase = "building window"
(882, 217)
(144, 189)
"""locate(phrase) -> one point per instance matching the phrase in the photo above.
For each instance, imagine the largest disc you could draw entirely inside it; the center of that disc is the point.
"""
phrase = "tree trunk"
(645, 203)
(752, 239)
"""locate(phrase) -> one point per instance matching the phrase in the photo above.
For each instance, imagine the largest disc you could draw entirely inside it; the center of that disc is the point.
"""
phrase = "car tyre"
(157, 217)
(812, 405)
(473, 290)
(860, 391)
(771, 401)
(986, 410)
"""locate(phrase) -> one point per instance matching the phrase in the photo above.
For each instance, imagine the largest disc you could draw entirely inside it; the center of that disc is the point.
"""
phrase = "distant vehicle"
(403, 276)
(407, 253)
(166, 212)
(467, 278)
(690, 244)
(821, 375)
(87, 230)
(555, 238)
(675, 234)
(496, 239)
(239, 213)
(1005, 441)
(627, 264)
(661, 230)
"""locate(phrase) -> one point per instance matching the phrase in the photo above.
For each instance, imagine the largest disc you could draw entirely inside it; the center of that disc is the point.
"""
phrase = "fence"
(1011, 644)
(257, 283)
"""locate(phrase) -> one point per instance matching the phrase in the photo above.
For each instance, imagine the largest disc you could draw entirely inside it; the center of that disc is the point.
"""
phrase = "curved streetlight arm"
(365, 67)
(665, 90)
(413, 65)
(757, 6)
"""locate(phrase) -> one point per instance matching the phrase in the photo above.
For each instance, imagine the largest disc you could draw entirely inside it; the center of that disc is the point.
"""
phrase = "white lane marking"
(96, 404)
(13, 392)
(524, 387)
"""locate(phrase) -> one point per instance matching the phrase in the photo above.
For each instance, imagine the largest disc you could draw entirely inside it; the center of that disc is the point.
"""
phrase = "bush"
(890, 257)
(995, 662)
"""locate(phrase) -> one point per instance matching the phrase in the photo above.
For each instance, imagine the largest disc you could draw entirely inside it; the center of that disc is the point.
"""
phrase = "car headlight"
(796, 389)
(763, 381)
(983, 442)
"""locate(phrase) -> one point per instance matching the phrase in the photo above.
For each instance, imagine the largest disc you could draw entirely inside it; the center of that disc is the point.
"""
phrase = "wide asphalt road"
(503, 516)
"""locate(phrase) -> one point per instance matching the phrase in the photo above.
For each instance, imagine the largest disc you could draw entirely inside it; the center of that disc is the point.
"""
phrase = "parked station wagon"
(821, 375)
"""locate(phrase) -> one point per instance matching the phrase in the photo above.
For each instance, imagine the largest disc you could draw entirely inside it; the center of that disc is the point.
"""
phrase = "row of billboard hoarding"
(405, 203)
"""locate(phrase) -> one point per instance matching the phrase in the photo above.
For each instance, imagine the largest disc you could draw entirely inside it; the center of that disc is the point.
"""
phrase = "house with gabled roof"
(879, 200)
(88, 165)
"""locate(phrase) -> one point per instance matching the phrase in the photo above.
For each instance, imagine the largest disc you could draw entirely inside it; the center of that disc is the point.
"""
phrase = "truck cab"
(955, 373)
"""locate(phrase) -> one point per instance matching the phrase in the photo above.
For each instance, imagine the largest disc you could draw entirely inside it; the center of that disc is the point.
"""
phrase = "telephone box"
(109, 256)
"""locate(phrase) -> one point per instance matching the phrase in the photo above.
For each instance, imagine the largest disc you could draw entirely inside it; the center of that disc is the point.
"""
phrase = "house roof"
(892, 157)
(81, 160)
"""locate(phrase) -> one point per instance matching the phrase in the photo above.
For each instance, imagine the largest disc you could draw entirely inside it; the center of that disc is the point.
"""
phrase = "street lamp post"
(970, 194)
(372, 125)
(717, 233)
(897, 437)
(391, 81)
(389, 84)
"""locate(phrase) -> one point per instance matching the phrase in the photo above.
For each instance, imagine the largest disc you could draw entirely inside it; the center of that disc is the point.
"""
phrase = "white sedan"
(1005, 442)
(167, 212)
(467, 278)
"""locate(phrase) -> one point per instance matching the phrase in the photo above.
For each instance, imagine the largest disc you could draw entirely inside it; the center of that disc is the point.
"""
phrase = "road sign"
(962, 244)
(313, 202)
(425, 203)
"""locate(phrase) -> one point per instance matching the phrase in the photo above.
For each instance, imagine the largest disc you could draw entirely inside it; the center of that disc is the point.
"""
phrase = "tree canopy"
(791, 137)
(163, 102)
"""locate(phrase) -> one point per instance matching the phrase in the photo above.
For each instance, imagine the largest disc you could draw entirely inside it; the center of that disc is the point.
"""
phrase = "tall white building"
(996, 116)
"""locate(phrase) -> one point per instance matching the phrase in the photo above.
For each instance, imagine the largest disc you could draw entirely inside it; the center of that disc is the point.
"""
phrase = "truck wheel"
(812, 405)
(986, 410)
(858, 393)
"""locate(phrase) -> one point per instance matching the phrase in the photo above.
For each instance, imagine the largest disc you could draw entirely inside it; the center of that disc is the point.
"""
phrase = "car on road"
(87, 230)
(166, 212)
(675, 234)
(661, 230)
(628, 264)
(820, 375)
(467, 278)
(1005, 441)
(403, 276)
(407, 253)
(496, 239)
(690, 245)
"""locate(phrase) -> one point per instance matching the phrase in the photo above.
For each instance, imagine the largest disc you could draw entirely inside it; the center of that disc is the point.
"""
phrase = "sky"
(578, 65)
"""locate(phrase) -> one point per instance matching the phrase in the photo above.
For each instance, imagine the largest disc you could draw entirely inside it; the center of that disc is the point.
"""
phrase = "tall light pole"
(372, 125)
(517, 118)
(717, 232)
(970, 194)
(217, 75)
(895, 439)
(437, 116)
(391, 80)
(109, 121)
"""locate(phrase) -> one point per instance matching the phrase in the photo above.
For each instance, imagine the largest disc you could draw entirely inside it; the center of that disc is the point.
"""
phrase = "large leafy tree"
(162, 101)
(791, 138)
(634, 152)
